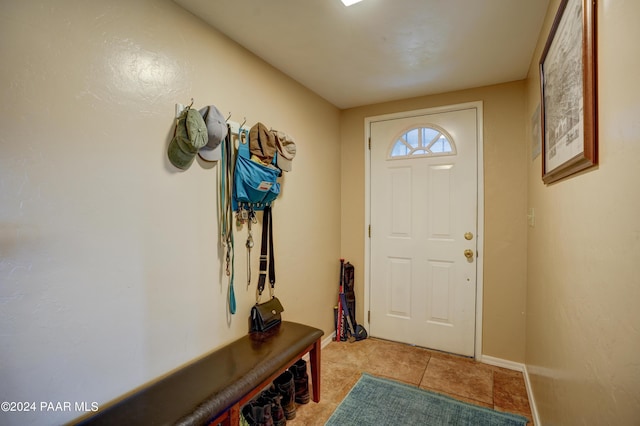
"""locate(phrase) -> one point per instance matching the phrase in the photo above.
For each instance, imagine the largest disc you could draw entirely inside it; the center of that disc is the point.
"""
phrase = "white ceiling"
(381, 50)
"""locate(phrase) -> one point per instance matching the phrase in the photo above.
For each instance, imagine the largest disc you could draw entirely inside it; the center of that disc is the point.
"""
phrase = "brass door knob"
(468, 253)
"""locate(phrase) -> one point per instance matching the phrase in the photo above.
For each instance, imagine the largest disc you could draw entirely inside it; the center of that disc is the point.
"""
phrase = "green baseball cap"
(189, 136)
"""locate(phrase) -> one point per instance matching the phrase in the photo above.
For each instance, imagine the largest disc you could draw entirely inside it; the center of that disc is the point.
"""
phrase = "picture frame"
(568, 107)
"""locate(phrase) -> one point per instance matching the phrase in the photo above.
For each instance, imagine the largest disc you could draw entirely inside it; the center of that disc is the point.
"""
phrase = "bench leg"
(314, 358)
(234, 415)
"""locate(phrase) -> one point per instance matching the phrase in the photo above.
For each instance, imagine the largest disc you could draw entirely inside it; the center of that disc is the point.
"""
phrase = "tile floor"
(459, 377)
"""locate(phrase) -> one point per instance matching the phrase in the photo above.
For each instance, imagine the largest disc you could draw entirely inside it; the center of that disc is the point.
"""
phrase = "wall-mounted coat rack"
(235, 126)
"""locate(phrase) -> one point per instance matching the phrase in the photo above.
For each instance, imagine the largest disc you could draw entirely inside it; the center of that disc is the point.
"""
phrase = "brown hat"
(262, 143)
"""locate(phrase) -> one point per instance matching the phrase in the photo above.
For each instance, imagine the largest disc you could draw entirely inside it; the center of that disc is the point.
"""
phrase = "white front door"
(424, 202)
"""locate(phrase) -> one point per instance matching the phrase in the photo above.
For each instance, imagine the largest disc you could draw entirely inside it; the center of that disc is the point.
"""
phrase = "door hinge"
(369, 144)
(369, 231)
(369, 317)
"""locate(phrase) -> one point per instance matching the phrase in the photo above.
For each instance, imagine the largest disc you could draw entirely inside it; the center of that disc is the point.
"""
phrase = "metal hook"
(227, 119)
(243, 136)
(191, 104)
(243, 123)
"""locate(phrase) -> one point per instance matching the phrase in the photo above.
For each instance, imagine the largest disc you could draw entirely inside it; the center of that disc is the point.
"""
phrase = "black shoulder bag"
(265, 316)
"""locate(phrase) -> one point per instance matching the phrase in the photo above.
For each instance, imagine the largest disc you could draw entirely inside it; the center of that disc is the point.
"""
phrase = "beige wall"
(583, 320)
(109, 262)
(505, 153)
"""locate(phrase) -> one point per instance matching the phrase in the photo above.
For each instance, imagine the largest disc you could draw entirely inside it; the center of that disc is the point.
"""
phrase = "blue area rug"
(376, 401)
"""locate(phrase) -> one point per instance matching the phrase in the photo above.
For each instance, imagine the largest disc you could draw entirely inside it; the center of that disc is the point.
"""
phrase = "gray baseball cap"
(217, 131)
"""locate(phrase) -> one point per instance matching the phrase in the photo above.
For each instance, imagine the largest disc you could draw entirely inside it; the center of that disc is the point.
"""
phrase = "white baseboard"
(499, 362)
(532, 400)
(324, 344)
(516, 366)
(330, 338)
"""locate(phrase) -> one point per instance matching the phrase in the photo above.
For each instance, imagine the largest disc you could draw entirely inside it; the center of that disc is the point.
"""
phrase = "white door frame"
(480, 213)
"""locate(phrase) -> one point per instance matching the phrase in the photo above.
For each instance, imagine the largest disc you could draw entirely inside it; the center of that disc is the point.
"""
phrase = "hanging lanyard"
(225, 213)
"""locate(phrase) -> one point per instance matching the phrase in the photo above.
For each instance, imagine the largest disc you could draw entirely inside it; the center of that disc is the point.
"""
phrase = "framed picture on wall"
(568, 109)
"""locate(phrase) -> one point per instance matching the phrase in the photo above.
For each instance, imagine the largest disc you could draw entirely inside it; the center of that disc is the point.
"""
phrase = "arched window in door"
(424, 141)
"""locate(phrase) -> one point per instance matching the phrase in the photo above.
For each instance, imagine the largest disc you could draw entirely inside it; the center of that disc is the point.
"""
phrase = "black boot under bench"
(212, 390)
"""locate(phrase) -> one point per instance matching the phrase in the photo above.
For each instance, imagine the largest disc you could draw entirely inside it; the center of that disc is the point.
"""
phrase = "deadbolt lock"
(468, 236)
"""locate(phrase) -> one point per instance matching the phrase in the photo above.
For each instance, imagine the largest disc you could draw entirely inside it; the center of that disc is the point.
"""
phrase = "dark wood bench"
(212, 390)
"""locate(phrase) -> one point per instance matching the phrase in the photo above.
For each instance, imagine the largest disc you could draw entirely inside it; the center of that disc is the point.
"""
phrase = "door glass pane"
(412, 137)
(422, 142)
(440, 145)
(400, 149)
(428, 135)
